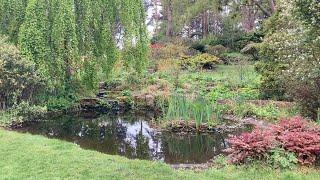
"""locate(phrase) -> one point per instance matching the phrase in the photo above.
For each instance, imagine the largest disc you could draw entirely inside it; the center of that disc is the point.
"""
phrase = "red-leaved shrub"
(252, 145)
(293, 135)
(156, 46)
(300, 137)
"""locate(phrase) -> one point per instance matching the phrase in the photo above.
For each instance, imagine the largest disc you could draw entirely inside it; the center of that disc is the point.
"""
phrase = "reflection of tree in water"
(191, 148)
(133, 144)
(57, 127)
(131, 137)
(112, 134)
(142, 147)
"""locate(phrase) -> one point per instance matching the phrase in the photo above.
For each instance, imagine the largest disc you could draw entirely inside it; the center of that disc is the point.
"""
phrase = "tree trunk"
(156, 16)
(272, 5)
(249, 17)
(205, 24)
(169, 32)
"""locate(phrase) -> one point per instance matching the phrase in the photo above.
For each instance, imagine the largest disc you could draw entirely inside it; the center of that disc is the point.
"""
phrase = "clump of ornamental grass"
(196, 110)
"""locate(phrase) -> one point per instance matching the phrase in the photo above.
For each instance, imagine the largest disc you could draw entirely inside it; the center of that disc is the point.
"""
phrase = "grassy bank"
(25, 156)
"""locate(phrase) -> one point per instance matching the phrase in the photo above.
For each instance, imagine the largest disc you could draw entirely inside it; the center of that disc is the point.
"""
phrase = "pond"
(131, 136)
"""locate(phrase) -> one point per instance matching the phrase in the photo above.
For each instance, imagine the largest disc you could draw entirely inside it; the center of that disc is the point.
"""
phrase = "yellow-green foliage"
(166, 65)
(200, 61)
(216, 50)
(55, 35)
(169, 50)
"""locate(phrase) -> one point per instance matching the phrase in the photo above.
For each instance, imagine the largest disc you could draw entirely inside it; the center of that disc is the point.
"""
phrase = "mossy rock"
(145, 101)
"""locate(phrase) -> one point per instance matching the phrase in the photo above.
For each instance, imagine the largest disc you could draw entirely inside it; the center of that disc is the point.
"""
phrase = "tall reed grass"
(187, 109)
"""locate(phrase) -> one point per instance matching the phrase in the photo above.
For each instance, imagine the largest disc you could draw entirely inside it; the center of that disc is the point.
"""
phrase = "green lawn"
(24, 156)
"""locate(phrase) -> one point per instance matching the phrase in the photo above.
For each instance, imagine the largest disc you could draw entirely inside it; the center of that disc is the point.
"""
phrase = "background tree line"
(282, 34)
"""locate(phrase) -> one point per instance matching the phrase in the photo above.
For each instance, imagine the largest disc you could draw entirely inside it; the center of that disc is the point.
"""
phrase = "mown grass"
(24, 156)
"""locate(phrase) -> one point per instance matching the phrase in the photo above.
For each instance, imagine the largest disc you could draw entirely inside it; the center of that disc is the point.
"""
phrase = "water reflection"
(132, 137)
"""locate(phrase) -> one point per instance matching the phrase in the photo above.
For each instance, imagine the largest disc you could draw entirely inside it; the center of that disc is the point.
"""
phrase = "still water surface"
(131, 136)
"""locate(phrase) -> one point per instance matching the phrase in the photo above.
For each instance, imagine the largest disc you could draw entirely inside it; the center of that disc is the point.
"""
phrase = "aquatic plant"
(198, 110)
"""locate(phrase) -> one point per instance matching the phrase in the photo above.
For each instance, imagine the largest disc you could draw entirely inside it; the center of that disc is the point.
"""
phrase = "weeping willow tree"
(64, 43)
(72, 40)
(135, 38)
(12, 14)
(102, 26)
(33, 36)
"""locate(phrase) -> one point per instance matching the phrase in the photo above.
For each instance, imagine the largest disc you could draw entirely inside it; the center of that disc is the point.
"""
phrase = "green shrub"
(199, 47)
(216, 50)
(170, 50)
(201, 61)
(18, 77)
(251, 49)
(279, 158)
(271, 85)
(242, 110)
(220, 92)
(233, 57)
(290, 54)
(26, 110)
(22, 112)
(8, 117)
(236, 39)
(59, 103)
(270, 112)
(223, 92)
(248, 93)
